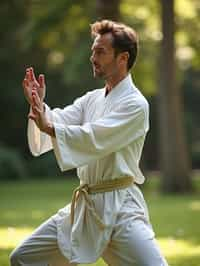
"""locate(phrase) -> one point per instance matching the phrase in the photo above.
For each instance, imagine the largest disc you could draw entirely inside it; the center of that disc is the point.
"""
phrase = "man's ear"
(123, 57)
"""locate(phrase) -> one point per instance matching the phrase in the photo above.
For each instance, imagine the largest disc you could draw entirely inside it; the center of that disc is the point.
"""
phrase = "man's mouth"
(96, 67)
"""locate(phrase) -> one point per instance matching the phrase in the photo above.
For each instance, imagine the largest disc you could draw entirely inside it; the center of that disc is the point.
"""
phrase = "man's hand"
(30, 82)
(37, 114)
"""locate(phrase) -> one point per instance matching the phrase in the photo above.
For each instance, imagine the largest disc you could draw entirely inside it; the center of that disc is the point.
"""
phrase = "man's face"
(104, 61)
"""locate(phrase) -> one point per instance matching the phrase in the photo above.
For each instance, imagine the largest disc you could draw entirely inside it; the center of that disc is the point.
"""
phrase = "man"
(102, 135)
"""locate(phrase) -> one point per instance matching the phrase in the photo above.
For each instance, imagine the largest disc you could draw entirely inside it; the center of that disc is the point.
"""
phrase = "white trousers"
(132, 244)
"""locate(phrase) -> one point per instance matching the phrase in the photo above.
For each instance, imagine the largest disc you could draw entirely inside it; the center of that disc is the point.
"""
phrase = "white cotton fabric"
(102, 136)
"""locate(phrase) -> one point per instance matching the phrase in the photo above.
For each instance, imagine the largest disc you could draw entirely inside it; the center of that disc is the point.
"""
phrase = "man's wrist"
(50, 130)
(44, 107)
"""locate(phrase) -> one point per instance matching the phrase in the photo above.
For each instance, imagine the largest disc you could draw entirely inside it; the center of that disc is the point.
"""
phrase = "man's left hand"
(38, 115)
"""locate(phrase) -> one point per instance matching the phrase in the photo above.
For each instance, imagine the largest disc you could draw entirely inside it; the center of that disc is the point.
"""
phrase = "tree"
(55, 39)
(174, 156)
(108, 9)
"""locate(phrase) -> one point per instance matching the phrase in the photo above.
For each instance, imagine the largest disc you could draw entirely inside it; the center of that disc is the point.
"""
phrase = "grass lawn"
(176, 219)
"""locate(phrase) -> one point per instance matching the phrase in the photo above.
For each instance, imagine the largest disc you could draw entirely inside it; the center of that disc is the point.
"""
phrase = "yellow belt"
(104, 186)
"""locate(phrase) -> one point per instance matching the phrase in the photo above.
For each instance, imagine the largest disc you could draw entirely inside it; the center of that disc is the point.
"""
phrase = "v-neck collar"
(120, 88)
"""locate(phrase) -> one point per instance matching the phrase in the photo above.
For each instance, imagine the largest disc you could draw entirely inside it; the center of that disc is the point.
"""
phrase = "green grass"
(24, 205)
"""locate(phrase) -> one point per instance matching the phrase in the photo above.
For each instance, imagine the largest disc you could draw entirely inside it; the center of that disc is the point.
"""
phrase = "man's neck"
(112, 81)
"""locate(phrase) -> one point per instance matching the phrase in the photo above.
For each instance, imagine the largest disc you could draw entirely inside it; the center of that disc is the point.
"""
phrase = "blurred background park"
(54, 38)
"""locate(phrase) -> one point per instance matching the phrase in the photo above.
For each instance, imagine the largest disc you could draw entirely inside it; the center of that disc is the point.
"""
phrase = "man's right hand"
(30, 82)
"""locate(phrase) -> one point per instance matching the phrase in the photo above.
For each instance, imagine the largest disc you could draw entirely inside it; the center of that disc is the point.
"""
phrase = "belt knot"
(104, 186)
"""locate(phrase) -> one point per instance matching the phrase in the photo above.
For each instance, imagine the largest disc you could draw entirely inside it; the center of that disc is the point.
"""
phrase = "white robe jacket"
(102, 136)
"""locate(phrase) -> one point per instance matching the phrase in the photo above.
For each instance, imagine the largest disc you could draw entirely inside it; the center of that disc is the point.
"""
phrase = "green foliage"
(12, 165)
(55, 39)
(45, 166)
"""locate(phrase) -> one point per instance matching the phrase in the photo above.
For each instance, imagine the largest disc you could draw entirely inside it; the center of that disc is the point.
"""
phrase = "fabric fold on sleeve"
(38, 141)
(71, 114)
(75, 145)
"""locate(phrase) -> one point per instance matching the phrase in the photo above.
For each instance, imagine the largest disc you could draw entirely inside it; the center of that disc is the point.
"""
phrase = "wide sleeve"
(71, 115)
(38, 141)
(77, 145)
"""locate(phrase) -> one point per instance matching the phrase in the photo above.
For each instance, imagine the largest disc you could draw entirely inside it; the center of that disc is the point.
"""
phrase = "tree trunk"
(108, 9)
(174, 157)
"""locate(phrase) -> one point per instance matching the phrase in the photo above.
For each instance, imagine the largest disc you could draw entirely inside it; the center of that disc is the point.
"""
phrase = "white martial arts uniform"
(102, 136)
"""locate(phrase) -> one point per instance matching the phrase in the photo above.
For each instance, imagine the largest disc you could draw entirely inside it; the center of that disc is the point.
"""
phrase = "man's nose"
(92, 58)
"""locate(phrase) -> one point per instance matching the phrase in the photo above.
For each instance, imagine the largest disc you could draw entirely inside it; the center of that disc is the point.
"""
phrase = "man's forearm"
(50, 130)
(42, 122)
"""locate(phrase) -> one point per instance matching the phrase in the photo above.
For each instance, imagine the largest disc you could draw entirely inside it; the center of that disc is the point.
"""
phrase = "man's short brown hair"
(125, 39)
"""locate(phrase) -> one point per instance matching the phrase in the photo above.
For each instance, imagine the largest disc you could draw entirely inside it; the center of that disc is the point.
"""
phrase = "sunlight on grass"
(195, 205)
(12, 236)
(100, 262)
(175, 218)
(178, 247)
(171, 247)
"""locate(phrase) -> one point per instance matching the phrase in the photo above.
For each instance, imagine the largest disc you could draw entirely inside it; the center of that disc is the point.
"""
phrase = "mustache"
(95, 64)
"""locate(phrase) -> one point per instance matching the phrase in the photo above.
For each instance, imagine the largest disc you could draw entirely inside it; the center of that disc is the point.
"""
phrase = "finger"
(31, 111)
(32, 74)
(41, 80)
(37, 104)
(34, 100)
(26, 73)
(32, 116)
(32, 107)
(35, 92)
(27, 70)
(36, 110)
(25, 83)
(27, 76)
(36, 97)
